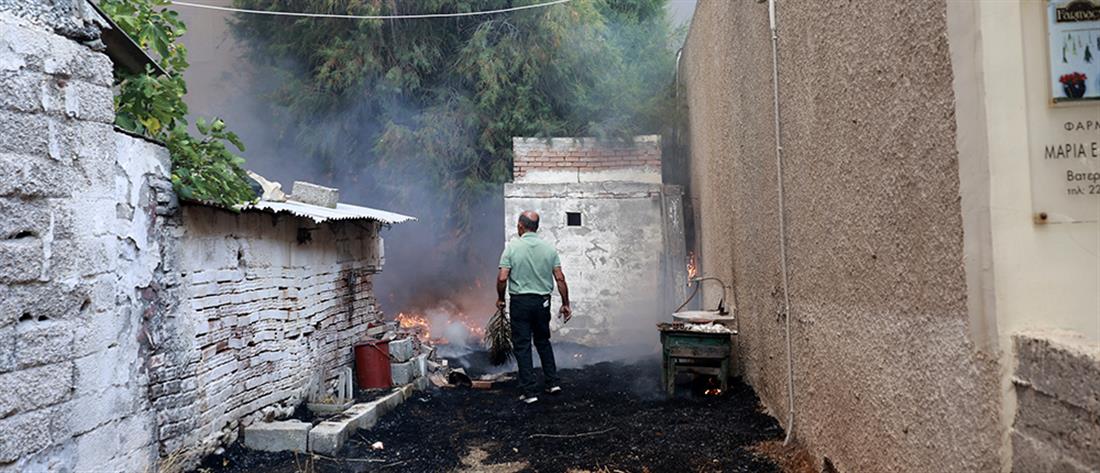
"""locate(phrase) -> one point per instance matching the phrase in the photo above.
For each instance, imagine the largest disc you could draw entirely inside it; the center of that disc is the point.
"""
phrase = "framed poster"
(1073, 33)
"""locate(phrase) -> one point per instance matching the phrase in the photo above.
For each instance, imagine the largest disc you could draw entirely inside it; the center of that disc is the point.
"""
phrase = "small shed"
(617, 227)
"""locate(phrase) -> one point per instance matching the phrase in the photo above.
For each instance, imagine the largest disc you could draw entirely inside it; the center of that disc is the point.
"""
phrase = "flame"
(417, 324)
(692, 268)
(421, 326)
(713, 392)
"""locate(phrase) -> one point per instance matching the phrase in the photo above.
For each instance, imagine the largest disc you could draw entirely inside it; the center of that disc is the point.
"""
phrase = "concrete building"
(617, 227)
(942, 270)
(136, 333)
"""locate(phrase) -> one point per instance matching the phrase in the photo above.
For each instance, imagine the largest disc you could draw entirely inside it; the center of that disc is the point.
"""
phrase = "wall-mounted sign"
(1073, 29)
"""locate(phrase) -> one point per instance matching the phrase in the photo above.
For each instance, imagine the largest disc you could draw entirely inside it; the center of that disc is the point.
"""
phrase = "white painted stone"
(402, 349)
(402, 373)
(287, 435)
(327, 437)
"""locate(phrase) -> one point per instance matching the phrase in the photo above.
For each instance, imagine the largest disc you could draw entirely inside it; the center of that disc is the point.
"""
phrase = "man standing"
(528, 269)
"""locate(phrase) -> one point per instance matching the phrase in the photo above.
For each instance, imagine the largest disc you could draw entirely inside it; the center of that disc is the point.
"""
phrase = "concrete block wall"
(268, 304)
(1057, 424)
(573, 159)
(80, 242)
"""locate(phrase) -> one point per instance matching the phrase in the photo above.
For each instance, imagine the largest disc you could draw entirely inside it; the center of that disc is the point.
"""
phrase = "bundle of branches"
(498, 338)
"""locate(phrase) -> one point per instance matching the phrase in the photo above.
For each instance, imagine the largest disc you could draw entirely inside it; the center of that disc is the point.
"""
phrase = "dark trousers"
(530, 315)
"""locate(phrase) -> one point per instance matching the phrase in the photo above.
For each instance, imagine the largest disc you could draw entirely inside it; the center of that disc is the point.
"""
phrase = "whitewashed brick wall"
(260, 315)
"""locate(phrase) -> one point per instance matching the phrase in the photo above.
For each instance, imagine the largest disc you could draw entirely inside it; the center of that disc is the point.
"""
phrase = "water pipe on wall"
(782, 217)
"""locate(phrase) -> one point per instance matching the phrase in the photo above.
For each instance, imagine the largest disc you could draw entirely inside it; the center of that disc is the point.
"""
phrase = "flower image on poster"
(1073, 28)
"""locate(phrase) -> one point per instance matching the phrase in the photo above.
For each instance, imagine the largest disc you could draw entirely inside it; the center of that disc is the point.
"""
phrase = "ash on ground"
(612, 416)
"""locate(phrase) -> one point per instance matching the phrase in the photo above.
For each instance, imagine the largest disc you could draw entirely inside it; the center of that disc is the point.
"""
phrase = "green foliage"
(203, 168)
(442, 98)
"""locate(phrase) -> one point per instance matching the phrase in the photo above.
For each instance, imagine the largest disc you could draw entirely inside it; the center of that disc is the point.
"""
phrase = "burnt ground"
(611, 417)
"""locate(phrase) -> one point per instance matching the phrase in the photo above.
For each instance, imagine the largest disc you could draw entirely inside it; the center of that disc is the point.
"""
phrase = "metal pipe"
(782, 218)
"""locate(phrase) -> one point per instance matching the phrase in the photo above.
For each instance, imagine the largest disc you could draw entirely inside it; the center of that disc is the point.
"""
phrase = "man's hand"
(566, 313)
(500, 303)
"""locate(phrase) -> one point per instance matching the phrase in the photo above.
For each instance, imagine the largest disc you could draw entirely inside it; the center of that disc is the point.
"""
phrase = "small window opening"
(573, 219)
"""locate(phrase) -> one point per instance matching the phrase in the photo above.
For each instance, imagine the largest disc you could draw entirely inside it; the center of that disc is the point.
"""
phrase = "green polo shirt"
(531, 262)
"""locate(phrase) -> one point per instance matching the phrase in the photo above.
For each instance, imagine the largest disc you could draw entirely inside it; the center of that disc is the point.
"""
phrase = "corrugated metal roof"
(341, 212)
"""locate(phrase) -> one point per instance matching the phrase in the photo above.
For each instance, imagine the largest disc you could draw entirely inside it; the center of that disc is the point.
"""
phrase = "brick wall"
(1057, 425)
(261, 315)
(584, 155)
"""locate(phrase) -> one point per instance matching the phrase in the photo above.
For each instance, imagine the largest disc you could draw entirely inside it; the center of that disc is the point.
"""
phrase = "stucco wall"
(886, 377)
(262, 317)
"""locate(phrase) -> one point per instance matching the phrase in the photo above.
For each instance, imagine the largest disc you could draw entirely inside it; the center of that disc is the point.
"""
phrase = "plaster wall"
(886, 375)
(1036, 277)
(270, 306)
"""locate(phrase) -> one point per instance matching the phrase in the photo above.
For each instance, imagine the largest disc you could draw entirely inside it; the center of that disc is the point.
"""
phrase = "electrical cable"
(368, 17)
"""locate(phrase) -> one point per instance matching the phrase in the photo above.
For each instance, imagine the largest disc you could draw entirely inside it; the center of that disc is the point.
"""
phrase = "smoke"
(431, 268)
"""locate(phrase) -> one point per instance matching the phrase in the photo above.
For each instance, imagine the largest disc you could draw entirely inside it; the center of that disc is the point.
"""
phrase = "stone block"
(309, 193)
(420, 365)
(422, 383)
(363, 416)
(327, 437)
(402, 373)
(43, 342)
(26, 433)
(287, 435)
(1031, 455)
(24, 133)
(390, 401)
(30, 176)
(1062, 364)
(402, 349)
(96, 448)
(34, 388)
(1068, 428)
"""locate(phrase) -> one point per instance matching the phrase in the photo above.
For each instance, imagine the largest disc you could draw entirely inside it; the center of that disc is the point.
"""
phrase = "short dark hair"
(529, 224)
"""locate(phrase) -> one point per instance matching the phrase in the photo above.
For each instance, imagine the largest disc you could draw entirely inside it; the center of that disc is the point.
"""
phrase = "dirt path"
(612, 417)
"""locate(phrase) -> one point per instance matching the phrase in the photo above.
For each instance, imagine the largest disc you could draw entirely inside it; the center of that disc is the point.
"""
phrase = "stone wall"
(269, 306)
(80, 243)
(1057, 426)
(586, 159)
(885, 375)
(625, 260)
(136, 335)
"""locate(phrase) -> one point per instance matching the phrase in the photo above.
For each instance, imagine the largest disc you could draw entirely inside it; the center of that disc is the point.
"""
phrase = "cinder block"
(287, 435)
(1035, 456)
(402, 373)
(327, 437)
(1061, 364)
(1067, 428)
(420, 365)
(363, 416)
(402, 349)
(314, 194)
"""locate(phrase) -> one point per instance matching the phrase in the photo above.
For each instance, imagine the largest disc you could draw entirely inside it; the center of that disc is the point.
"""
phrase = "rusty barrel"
(372, 364)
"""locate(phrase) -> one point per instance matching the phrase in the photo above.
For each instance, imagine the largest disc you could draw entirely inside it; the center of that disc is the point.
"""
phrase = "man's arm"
(563, 289)
(502, 284)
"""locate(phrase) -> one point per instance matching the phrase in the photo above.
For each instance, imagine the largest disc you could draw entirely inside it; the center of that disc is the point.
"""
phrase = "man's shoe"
(554, 390)
(528, 399)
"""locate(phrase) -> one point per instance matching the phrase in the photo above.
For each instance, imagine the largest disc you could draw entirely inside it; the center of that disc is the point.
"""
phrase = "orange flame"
(713, 392)
(691, 266)
(422, 327)
(416, 324)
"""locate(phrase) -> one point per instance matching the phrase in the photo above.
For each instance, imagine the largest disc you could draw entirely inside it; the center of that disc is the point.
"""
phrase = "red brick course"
(584, 154)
